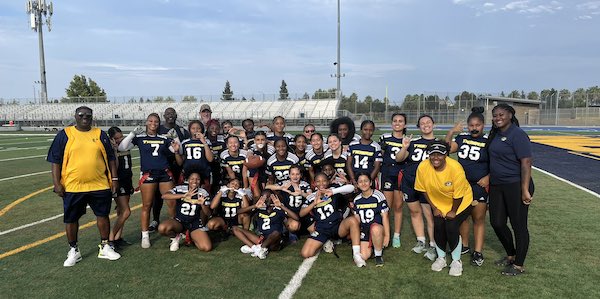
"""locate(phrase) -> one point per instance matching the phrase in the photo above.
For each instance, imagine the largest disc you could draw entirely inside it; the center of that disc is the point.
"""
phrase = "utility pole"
(338, 75)
(36, 9)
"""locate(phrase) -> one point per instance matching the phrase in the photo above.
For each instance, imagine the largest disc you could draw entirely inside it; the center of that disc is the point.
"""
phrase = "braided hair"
(495, 129)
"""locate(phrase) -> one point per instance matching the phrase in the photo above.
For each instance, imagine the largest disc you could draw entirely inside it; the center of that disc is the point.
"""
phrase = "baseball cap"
(205, 107)
(437, 147)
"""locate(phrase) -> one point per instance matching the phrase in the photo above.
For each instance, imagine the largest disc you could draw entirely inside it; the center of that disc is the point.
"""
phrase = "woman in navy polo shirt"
(511, 186)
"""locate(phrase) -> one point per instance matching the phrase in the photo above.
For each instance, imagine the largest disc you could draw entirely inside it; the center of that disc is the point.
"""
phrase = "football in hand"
(254, 161)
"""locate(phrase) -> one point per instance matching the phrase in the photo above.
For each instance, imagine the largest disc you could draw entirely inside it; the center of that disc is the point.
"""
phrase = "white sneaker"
(430, 253)
(72, 257)
(246, 249)
(262, 254)
(328, 246)
(255, 250)
(107, 252)
(419, 247)
(439, 264)
(145, 242)
(175, 243)
(456, 268)
(358, 260)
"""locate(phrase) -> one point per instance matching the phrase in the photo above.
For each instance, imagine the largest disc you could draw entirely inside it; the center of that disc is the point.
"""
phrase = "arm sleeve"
(127, 142)
(343, 189)
(57, 149)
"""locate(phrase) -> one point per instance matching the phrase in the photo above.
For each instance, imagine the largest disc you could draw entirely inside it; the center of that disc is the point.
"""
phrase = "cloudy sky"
(181, 47)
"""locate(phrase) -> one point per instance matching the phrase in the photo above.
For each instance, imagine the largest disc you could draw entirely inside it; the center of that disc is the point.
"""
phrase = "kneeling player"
(191, 203)
(270, 219)
(370, 208)
(322, 205)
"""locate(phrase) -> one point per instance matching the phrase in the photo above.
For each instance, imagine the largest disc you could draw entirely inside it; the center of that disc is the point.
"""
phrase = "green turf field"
(563, 261)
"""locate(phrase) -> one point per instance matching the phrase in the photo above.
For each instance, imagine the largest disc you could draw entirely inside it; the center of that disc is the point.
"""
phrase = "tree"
(579, 97)
(515, 94)
(547, 96)
(169, 99)
(82, 89)
(564, 99)
(283, 92)
(189, 99)
(411, 102)
(533, 96)
(324, 94)
(227, 92)
(306, 96)
(159, 99)
(593, 95)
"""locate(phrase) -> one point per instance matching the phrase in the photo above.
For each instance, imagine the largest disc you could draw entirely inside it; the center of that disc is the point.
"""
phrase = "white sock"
(356, 249)
(422, 239)
(432, 243)
(378, 252)
(396, 235)
(145, 234)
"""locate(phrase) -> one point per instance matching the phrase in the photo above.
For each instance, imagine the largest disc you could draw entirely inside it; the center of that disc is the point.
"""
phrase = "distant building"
(528, 111)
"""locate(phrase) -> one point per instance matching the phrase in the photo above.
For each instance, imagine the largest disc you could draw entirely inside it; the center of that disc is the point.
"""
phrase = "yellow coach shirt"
(85, 162)
(444, 186)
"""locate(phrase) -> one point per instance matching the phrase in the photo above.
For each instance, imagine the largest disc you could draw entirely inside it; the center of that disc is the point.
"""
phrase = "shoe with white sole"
(419, 247)
(255, 250)
(145, 242)
(174, 246)
(73, 257)
(107, 252)
(262, 254)
(439, 264)
(246, 249)
(456, 268)
(358, 260)
(328, 246)
(430, 253)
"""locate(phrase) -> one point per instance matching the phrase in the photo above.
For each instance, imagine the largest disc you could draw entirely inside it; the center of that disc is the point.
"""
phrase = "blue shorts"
(74, 204)
(327, 232)
(192, 226)
(479, 193)
(412, 195)
(156, 176)
(125, 187)
(389, 182)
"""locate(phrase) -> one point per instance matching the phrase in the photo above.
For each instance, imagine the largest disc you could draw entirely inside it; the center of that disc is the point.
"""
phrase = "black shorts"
(125, 187)
(479, 193)
(389, 182)
(156, 176)
(365, 232)
(325, 232)
(412, 195)
(74, 204)
(192, 226)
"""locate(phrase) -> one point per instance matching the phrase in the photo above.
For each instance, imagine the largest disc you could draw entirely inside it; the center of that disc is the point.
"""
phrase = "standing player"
(278, 132)
(232, 161)
(195, 154)
(315, 155)
(371, 209)
(417, 204)
(258, 177)
(217, 146)
(391, 145)
(154, 150)
(125, 187)
(191, 207)
(279, 164)
(364, 155)
(336, 157)
(473, 156)
(300, 148)
(344, 128)
(322, 206)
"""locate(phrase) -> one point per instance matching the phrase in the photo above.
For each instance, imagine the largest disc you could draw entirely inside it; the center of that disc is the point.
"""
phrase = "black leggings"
(447, 232)
(505, 203)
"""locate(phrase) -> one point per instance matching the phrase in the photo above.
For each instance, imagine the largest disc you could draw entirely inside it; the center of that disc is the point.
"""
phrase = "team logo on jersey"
(387, 185)
(362, 235)
(448, 184)
(503, 139)
(314, 234)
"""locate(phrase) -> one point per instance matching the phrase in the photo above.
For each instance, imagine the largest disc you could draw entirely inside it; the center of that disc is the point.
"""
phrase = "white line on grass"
(28, 142)
(25, 135)
(24, 175)
(30, 224)
(296, 280)
(22, 158)
(10, 149)
(566, 181)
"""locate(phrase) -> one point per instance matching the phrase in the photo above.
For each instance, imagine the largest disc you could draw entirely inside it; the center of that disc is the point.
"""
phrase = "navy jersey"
(154, 151)
(281, 169)
(124, 169)
(339, 163)
(235, 163)
(216, 146)
(326, 213)
(289, 138)
(294, 202)
(182, 134)
(189, 210)
(228, 208)
(364, 156)
(250, 138)
(348, 141)
(369, 209)
(390, 147)
(195, 158)
(417, 152)
(473, 156)
(314, 160)
(267, 223)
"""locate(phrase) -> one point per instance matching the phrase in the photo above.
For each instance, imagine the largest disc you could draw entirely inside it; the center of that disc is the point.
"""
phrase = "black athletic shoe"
(465, 250)
(379, 261)
(477, 259)
(503, 262)
(153, 226)
(122, 242)
(511, 270)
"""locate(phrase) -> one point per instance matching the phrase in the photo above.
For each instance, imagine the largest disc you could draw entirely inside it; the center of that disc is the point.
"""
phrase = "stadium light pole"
(36, 9)
(338, 75)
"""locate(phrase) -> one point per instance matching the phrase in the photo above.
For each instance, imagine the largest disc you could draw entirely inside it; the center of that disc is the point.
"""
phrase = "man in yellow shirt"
(84, 171)
(444, 184)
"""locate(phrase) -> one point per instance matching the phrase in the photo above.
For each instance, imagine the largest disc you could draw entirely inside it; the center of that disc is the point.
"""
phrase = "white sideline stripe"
(28, 142)
(41, 134)
(22, 158)
(10, 149)
(30, 224)
(296, 280)
(566, 181)
(24, 175)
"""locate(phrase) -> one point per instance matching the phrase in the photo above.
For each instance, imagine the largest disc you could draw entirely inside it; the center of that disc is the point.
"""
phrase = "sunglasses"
(83, 114)
(309, 131)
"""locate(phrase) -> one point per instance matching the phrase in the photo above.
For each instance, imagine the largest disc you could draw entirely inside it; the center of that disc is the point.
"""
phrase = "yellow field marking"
(54, 237)
(22, 199)
(579, 144)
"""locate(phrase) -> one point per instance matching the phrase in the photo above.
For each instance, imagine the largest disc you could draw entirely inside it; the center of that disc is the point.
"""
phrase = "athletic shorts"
(156, 176)
(479, 193)
(74, 204)
(389, 182)
(412, 195)
(328, 232)
(125, 187)
(192, 226)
